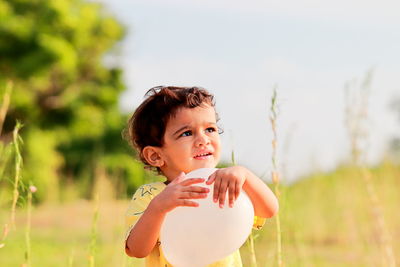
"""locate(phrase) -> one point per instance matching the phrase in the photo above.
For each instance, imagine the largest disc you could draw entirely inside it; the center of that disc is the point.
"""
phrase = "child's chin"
(206, 165)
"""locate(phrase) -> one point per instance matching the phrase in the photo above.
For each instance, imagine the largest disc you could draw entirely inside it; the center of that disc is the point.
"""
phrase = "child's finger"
(191, 181)
(187, 203)
(222, 193)
(232, 189)
(192, 195)
(198, 189)
(237, 191)
(216, 190)
(211, 178)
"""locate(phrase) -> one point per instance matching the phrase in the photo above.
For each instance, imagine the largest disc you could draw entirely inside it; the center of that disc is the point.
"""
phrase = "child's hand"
(229, 179)
(178, 193)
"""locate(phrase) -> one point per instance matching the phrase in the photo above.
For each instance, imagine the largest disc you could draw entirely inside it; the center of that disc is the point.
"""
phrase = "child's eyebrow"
(181, 129)
(188, 127)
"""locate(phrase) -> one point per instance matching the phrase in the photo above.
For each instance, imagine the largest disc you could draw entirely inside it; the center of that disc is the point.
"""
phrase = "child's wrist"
(155, 206)
(247, 180)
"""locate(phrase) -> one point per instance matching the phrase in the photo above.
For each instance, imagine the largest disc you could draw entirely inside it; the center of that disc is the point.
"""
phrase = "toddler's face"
(191, 141)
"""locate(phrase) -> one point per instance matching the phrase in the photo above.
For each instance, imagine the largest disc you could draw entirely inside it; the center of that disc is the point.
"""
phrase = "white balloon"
(198, 236)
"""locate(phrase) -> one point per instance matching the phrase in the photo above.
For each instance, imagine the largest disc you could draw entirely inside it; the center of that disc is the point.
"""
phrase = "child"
(175, 132)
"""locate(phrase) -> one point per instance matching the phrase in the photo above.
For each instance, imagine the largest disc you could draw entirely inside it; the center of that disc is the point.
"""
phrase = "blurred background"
(309, 99)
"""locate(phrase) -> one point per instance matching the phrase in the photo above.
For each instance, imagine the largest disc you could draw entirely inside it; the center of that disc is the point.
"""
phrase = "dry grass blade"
(17, 176)
(275, 173)
(93, 241)
(356, 113)
(32, 189)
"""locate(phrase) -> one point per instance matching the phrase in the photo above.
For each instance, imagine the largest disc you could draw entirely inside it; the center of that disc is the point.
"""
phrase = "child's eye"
(186, 133)
(211, 129)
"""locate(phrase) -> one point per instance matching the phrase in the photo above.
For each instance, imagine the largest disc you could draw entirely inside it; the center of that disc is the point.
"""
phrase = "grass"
(356, 117)
(275, 174)
(326, 224)
(94, 233)
(59, 229)
(323, 224)
(32, 189)
(17, 176)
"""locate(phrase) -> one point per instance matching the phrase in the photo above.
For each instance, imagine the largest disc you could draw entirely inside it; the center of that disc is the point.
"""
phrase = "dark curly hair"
(147, 125)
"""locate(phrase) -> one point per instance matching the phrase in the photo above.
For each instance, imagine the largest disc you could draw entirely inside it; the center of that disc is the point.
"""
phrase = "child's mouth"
(203, 155)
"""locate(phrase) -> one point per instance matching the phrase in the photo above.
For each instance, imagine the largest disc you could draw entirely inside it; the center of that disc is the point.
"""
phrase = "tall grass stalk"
(275, 174)
(5, 157)
(17, 176)
(253, 258)
(71, 258)
(250, 240)
(93, 240)
(32, 189)
(4, 235)
(356, 114)
(385, 239)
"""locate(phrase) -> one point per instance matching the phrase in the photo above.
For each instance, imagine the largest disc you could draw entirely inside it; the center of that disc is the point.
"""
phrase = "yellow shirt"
(156, 258)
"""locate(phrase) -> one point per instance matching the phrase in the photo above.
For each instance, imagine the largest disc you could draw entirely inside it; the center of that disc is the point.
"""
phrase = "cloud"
(369, 11)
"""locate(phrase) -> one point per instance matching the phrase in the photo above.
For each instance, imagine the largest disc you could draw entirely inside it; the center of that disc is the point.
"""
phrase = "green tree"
(64, 93)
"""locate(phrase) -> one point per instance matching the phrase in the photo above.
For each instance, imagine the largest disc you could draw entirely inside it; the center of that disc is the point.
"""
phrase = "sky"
(241, 50)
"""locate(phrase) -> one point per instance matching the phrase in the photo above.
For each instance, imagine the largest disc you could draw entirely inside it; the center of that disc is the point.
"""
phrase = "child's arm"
(264, 201)
(143, 236)
(233, 179)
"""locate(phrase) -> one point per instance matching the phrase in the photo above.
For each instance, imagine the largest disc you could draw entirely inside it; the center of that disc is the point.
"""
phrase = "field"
(66, 158)
(326, 220)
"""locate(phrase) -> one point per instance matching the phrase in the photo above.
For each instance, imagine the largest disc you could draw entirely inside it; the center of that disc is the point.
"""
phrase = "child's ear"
(153, 156)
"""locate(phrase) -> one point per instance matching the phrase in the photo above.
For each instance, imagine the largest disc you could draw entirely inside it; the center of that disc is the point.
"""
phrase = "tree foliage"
(64, 93)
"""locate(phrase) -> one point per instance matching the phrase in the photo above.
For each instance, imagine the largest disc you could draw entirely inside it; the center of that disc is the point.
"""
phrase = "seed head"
(32, 188)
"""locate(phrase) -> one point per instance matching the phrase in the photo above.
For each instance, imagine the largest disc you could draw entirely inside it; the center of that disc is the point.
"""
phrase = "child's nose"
(202, 140)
